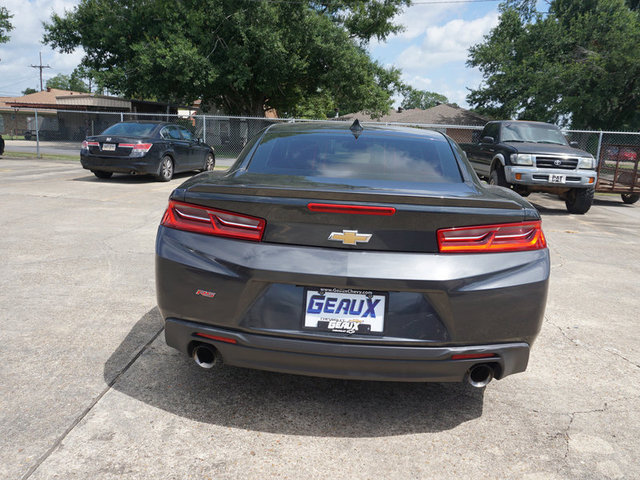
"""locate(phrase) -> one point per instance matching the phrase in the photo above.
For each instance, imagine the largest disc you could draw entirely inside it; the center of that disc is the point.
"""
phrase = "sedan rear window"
(131, 129)
(370, 156)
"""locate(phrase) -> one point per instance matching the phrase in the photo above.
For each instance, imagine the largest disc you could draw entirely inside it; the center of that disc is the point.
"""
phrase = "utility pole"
(41, 67)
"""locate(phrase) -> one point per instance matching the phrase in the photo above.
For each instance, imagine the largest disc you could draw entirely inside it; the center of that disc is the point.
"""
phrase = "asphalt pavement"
(88, 388)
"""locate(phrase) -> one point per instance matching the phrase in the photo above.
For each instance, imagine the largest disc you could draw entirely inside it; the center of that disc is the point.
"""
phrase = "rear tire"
(579, 200)
(166, 169)
(103, 175)
(630, 198)
(497, 178)
(209, 163)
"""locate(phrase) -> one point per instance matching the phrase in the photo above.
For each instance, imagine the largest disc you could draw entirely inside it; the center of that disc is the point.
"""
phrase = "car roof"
(342, 127)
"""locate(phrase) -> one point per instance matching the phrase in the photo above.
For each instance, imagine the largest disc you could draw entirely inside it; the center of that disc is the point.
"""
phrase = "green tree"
(240, 55)
(578, 65)
(67, 82)
(5, 24)
(29, 91)
(414, 98)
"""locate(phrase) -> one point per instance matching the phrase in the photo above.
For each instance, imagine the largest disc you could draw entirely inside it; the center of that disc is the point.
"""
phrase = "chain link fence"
(617, 152)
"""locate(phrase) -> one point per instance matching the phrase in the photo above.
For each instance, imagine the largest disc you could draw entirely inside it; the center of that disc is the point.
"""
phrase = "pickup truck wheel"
(497, 178)
(579, 200)
(630, 198)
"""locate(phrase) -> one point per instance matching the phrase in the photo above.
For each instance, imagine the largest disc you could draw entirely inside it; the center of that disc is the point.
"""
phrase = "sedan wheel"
(210, 163)
(100, 174)
(166, 169)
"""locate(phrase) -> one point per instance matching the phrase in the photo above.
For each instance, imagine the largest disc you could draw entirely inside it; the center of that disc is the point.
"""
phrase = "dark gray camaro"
(337, 251)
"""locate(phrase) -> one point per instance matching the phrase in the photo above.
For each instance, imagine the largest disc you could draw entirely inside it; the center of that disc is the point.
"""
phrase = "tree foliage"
(29, 91)
(303, 57)
(414, 98)
(67, 82)
(5, 24)
(578, 65)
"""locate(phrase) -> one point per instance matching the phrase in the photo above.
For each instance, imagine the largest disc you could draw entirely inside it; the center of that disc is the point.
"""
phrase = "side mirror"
(573, 144)
(488, 140)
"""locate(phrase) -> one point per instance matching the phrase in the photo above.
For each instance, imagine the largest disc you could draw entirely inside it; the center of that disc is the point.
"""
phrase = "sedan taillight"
(137, 147)
(86, 145)
(210, 221)
(508, 237)
(627, 154)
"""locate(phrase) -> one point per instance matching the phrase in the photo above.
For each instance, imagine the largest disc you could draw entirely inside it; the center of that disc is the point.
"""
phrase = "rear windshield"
(131, 129)
(370, 156)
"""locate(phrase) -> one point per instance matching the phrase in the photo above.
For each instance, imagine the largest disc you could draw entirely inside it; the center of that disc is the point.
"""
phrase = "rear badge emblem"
(350, 237)
(108, 139)
(206, 294)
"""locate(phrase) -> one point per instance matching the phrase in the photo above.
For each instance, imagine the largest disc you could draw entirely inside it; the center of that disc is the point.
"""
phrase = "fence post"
(599, 148)
(204, 128)
(121, 117)
(37, 134)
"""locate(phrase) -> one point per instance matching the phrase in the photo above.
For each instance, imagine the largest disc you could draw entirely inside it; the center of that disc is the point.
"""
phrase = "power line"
(41, 67)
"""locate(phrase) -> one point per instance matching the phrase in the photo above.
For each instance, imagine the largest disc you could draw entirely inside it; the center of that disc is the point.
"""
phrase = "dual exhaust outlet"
(205, 356)
(478, 375)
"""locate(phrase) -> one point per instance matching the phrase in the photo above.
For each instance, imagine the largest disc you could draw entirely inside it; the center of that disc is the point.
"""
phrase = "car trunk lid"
(302, 211)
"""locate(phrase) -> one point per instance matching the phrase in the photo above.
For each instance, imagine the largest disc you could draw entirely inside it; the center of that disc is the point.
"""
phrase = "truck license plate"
(557, 178)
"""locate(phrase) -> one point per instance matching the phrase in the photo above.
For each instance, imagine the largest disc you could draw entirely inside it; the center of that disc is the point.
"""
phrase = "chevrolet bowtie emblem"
(350, 237)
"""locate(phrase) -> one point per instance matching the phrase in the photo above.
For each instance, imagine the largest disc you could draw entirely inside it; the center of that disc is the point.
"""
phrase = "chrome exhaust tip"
(480, 375)
(205, 356)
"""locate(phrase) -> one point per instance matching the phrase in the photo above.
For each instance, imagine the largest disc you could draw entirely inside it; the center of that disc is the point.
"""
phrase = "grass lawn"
(43, 156)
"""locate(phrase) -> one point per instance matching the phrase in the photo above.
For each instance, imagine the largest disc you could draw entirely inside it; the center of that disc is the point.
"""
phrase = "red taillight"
(627, 154)
(86, 144)
(142, 147)
(210, 221)
(471, 356)
(508, 237)
(126, 145)
(215, 337)
(352, 209)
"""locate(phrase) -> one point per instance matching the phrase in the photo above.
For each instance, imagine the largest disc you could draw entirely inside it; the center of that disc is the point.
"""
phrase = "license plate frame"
(108, 147)
(556, 178)
(355, 308)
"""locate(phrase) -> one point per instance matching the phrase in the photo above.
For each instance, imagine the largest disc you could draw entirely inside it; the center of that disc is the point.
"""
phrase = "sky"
(431, 51)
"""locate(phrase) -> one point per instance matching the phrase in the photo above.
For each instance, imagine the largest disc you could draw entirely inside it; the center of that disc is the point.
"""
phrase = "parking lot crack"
(618, 354)
(90, 407)
(572, 416)
(564, 334)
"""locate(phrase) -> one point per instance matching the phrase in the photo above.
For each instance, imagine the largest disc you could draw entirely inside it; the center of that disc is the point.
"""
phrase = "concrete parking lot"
(88, 388)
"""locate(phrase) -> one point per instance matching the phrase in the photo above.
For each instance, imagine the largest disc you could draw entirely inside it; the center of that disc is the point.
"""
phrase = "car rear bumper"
(139, 165)
(437, 304)
(542, 176)
(342, 360)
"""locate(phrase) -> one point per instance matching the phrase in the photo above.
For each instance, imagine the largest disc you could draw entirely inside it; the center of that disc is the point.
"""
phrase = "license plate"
(557, 178)
(109, 147)
(345, 311)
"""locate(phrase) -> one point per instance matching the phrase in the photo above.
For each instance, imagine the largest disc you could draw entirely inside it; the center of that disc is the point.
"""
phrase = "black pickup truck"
(534, 157)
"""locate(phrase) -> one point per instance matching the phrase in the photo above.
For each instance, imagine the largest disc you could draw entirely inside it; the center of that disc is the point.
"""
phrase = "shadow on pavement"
(278, 403)
(130, 179)
(611, 202)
